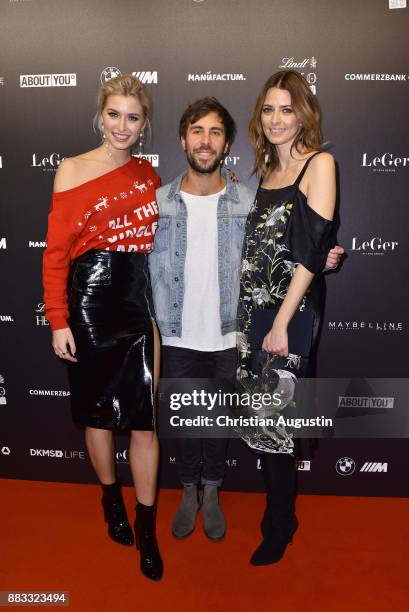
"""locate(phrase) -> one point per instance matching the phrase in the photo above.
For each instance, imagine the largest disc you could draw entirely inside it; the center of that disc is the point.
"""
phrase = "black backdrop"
(353, 53)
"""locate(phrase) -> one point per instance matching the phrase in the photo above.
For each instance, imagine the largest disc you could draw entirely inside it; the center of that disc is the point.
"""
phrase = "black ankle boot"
(119, 528)
(145, 540)
(279, 521)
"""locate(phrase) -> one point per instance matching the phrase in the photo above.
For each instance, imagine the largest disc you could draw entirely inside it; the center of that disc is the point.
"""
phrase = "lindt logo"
(291, 62)
(387, 162)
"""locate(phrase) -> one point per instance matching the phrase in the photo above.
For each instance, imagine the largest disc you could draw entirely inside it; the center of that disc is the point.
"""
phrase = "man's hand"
(334, 257)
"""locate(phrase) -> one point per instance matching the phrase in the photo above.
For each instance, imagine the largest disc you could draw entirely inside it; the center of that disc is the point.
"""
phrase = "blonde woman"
(98, 302)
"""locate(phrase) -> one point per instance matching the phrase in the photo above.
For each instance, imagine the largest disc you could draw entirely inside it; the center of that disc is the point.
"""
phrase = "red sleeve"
(61, 235)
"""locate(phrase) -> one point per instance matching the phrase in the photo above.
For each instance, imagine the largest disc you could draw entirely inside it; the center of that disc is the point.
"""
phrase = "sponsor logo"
(49, 392)
(351, 401)
(345, 466)
(148, 77)
(1, 161)
(152, 158)
(303, 466)
(3, 400)
(48, 80)
(6, 319)
(212, 76)
(2, 81)
(122, 456)
(232, 463)
(231, 160)
(47, 163)
(39, 314)
(387, 162)
(372, 466)
(374, 246)
(366, 76)
(297, 64)
(57, 454)
(5, 450)
(172, 459)
(3, 243)
(37, 244)
(359, 325)
(397, 4)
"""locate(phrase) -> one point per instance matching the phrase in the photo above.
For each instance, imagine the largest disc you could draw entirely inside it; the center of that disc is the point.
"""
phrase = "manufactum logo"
(387, 162)
(5, 450)
(351, 401)
(3, 400)
(374, 246)
(372, 466)
(216, 76)
(48, 80)
(37, 244)
(50, 162)
(145, 76)
(6, 319)
(40, 316)
(391, 326)
(345, 466)
(152, 158)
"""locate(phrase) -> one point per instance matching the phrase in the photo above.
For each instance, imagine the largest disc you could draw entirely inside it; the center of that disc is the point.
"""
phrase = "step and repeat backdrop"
(354, 54)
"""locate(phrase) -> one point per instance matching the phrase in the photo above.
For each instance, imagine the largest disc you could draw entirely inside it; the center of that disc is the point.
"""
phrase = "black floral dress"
(282, 230)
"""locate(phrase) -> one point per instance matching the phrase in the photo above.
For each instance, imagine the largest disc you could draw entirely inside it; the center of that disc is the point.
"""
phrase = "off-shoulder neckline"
(94, 180)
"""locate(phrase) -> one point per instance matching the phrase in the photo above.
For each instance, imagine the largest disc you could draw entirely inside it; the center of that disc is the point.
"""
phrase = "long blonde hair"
(307, 110)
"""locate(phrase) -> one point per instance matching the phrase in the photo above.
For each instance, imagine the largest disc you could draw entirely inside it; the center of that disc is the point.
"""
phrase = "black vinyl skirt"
(111, 318)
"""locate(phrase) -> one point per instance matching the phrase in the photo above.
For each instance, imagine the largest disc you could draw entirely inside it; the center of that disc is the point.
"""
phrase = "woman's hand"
(64, 345)
(276, 341)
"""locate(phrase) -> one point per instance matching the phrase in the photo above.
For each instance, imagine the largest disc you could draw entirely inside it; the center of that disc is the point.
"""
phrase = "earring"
(141, 138)
(101, 127)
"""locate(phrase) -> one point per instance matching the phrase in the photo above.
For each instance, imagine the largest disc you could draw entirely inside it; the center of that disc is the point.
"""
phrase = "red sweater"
(115, 212)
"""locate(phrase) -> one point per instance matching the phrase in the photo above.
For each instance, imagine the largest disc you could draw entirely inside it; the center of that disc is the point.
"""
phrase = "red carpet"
(349, 554)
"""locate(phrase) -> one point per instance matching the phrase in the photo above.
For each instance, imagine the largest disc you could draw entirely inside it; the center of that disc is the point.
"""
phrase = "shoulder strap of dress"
(304, 168)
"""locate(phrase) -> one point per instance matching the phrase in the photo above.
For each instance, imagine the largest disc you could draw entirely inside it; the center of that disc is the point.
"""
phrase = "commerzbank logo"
(148, 77)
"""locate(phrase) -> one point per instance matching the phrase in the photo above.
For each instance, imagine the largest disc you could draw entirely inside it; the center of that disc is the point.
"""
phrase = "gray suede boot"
(184, 520)
(214, 523)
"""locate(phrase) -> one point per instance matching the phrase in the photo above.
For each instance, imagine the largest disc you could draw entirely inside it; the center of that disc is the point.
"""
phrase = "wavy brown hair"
(307, 110)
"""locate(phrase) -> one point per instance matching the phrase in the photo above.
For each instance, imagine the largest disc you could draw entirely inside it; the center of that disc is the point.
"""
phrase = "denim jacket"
(167, 260)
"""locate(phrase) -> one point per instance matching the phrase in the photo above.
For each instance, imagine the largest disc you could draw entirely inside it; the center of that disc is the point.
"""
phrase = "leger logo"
(374, 246)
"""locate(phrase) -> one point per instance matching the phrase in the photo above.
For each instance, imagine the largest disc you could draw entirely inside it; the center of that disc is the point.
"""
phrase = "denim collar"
(231, 187)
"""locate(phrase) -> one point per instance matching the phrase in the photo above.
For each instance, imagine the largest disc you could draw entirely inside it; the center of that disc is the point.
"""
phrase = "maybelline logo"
(152, 158)
(374, 246)
(216, 76)
(149, 77)
(50, 162)
(358, 325)
(49, 392)
(350, 401)
(3, 400)
(40, 316)
(387, 162)
(6, 319)
(366, 76)
(57, 454)
(291, 62)
(48, 80)
(3, 243)
(37, 244)
(5, 450)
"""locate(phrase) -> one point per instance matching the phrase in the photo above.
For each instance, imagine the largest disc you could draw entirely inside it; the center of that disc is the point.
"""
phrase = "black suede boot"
(279, 522)
(145, 540)
(119, 528)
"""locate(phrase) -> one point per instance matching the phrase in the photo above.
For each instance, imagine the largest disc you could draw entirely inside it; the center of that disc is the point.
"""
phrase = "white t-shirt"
(201, 325)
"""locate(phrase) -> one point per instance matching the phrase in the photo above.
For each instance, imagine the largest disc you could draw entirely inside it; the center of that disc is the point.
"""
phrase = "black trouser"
(202, 459)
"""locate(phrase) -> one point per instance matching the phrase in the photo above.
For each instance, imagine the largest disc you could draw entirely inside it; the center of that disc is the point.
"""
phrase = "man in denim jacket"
(194, 271)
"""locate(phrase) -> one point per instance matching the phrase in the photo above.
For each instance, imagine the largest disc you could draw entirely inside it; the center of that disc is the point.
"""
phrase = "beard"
(204, 166)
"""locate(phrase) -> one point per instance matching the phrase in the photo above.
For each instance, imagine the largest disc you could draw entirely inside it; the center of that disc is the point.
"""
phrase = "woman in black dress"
(288, 234)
